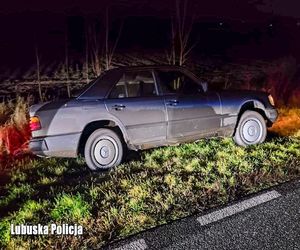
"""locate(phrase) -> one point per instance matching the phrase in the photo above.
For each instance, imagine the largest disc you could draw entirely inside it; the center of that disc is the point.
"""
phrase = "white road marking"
(237, 208)
(135, 245)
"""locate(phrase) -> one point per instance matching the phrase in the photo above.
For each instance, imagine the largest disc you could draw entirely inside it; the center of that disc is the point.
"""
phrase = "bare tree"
(181, 28)
(172, 56)
(106, 39)
(86, 55)
(99, 43)
(67, 62)
(94, 47)
(38, 68)
(110, 49)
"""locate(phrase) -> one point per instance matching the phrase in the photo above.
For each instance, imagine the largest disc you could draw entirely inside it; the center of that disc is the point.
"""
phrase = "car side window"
(119, 90)
(134, 84)
(175, 82)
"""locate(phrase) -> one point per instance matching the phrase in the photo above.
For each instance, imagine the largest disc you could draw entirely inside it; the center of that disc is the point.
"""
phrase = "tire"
(251, 129)
(103, 150)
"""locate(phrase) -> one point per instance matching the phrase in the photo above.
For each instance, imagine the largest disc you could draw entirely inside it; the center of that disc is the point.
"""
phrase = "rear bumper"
(272, 114)
(55, 146)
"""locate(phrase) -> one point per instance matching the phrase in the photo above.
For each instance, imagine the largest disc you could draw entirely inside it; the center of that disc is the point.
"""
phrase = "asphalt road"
(267, 220)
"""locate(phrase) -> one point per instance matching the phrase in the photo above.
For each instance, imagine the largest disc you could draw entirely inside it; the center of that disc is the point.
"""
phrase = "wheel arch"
(251, 105)
(94, 125)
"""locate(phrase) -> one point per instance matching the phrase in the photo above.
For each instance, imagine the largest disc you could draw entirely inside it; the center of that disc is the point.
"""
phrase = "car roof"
(148, 67)
(153, 67)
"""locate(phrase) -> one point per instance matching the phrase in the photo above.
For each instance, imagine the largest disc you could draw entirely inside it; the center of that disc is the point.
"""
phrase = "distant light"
(298, 23)
(221, 23)
(271, 25)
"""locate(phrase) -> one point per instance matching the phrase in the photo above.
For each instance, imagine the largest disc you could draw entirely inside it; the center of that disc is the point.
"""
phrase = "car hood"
(246, 95)
(241, 92)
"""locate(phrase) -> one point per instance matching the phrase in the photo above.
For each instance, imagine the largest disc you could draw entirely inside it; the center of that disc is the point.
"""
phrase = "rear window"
(99, 87)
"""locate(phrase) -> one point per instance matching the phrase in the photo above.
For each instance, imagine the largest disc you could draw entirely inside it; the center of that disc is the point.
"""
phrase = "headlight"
(271, 100)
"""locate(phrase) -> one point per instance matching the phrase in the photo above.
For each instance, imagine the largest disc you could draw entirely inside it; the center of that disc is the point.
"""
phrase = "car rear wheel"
(251, 129)
(103, 150)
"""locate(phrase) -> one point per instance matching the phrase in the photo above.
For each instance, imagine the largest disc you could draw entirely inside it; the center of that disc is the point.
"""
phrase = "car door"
(191, 112)
(134, 100)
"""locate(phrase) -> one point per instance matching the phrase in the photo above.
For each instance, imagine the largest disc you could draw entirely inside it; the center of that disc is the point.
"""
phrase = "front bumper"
(272, 114)
(55, 146)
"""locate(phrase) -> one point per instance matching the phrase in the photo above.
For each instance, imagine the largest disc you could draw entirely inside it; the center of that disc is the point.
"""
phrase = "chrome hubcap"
(105, 151)
(252, 130)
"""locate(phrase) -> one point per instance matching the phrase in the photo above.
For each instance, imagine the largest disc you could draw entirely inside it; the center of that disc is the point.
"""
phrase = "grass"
(166, 184)
(70, 208)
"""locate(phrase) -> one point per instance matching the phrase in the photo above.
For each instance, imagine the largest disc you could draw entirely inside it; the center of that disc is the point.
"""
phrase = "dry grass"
(14, 131)
(20, 115)
(288, 122)
(6, 110)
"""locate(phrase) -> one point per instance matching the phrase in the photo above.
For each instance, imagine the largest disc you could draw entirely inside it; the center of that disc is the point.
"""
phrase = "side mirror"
(204, 86)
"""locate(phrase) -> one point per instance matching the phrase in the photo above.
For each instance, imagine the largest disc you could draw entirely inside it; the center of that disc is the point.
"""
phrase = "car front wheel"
(103, 150)
(251, 129)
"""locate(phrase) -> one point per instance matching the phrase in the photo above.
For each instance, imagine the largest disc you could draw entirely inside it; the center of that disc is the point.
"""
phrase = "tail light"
(35, 123)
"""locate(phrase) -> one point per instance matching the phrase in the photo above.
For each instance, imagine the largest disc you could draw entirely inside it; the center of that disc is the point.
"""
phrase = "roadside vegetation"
(14, 131)
(161, 185)
(288, 122)
(165, 184)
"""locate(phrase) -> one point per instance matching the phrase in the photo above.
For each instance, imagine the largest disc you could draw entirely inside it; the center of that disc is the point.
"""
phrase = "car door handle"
(119, 107)
(172, 103)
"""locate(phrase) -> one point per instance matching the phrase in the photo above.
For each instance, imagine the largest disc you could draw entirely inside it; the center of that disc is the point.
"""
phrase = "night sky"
(260, 29)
